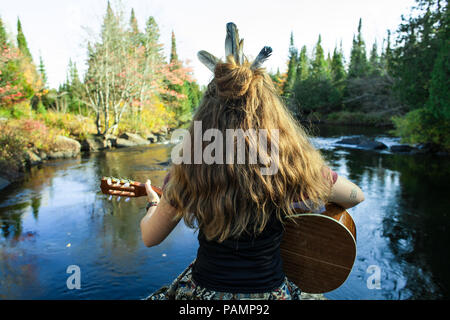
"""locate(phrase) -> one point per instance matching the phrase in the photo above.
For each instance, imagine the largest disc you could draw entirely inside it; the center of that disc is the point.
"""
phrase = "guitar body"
(319, 250)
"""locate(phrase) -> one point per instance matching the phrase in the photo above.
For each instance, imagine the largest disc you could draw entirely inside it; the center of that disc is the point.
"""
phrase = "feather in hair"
(208, 59)
(263, 55)
(232, 41)
(241, 52)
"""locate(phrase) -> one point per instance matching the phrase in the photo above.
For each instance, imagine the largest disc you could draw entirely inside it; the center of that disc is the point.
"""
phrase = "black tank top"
(250, 264)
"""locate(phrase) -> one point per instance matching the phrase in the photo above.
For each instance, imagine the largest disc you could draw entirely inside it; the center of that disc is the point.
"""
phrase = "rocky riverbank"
(65, 147)
(363, 142)
(96, 143)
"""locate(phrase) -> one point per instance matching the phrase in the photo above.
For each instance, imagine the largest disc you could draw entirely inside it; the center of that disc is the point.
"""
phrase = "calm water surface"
(57, 218)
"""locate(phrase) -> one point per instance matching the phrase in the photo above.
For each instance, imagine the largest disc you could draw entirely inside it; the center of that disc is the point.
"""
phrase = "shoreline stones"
(64, 148)
(371, 144)
(364, 143)
(95, 143)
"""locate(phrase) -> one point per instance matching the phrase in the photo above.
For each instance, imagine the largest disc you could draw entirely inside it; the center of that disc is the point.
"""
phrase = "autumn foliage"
(129, 86)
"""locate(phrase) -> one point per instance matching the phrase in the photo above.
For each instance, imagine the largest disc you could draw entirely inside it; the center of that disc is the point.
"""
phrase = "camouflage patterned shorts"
(184, 288)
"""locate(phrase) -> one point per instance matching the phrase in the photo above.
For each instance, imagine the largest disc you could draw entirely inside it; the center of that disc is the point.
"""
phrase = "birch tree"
(127, 70)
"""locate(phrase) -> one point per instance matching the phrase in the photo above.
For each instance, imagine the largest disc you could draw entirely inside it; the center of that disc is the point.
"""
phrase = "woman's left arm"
(159, 221)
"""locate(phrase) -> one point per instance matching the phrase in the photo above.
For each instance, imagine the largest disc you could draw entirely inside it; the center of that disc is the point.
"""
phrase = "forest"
(401, 84)
(404, 85)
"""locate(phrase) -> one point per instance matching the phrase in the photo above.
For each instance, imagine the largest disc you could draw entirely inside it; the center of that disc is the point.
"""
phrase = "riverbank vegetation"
(130, 86)
(402, 83)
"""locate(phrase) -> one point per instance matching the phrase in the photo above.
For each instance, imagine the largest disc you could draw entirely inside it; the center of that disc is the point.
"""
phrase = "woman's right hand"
(152, 196)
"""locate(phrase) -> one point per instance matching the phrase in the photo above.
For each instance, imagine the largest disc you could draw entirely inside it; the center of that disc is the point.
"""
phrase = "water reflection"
(58, 217)
(402, 225)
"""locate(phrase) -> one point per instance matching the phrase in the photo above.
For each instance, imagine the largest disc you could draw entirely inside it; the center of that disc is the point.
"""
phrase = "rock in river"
(364, 143)
(95, 143)
(130, 139)
(64, 148)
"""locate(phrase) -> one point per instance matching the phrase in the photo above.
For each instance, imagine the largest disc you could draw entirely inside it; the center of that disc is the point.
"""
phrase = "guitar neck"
(126, 188)
(141, 191)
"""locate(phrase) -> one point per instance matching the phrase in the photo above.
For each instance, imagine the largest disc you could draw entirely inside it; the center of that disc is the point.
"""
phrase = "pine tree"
(328, 64)
(136, 37)
(42, 72)
(386, 56)
(319, 65)
(182, 107)
(173, 50)
(151, 41)
(21, 41)
(133, 23)
(109, 11)
(292, 68)
(303, 67)
(337, 66)
(3, 35)
(73, 74)
(193, 93)
(110, 25)
(417, 47)
(374, 61)
(358, 57)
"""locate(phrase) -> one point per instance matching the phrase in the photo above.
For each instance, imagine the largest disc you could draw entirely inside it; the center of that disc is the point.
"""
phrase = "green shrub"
(5, 113)
(421, 126)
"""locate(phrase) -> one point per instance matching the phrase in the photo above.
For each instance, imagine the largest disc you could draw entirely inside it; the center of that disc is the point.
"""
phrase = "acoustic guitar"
(318, 249)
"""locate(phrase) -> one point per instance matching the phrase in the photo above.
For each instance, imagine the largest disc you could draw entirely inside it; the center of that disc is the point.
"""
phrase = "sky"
(58, 30)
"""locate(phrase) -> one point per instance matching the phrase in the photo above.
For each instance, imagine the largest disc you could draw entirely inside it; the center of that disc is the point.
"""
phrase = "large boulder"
(95, 143)
(354, 140)
(124, 143)
(130, 139)
(372, 145)
(64, 147)
(364, 143)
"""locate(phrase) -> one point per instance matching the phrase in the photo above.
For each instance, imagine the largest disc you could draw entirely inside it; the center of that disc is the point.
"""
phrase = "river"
(56, 217)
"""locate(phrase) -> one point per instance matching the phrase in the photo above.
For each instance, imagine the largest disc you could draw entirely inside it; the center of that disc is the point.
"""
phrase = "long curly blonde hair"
(226, 200)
